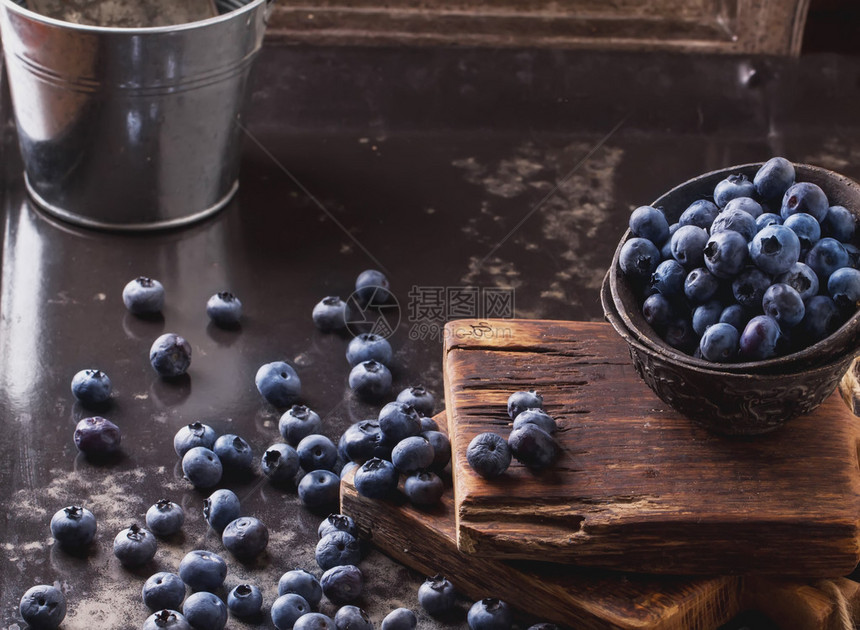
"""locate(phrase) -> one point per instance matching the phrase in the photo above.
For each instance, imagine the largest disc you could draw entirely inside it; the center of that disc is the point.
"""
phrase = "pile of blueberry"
(757, 269)
(531, 440)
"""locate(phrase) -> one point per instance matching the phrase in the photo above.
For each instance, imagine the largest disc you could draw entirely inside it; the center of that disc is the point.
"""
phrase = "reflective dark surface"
(451, 169)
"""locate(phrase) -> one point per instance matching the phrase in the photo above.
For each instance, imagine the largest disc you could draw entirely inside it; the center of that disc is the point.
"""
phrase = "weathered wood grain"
(799, 605)
(580, 598)
(639, 487)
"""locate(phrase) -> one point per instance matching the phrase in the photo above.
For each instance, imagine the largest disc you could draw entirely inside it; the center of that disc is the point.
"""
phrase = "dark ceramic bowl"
(842, 344)
(730, 403)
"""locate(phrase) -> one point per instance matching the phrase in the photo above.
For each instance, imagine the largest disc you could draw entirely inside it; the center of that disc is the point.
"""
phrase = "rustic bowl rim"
(783, 364)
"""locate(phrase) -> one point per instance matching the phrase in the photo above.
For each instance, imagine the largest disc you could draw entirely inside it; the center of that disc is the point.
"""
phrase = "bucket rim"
(12, 6)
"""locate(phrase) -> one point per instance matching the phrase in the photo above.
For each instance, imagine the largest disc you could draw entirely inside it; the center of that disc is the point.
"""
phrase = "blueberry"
(317, 452)
(745, 204)
(648, 222)
(489, 455)
(368, 347)
(330, 313)
(221, 508)
(337, 548)
(825, 257)
(278, 383)
(163, 590)
(91, 387)
(428, 423)
(397, 421)
(437, 596)
(736, 315)
(143, 296)
(165, 518)
(170, 355)
(759, 338)
(853, 254)
(668, 278)
(821, 319)
(412, 453)
(224, 309)
(720, 343)
(784, 304)
(97, 437)
(166, 618)
(347, 468)
(774, 249)
(543, 626)
(844, 287)
(191, 435)
(657, 311)
(205, 611)
(533, 447)
(297, 423)
(423, 488)
(246, 537)
(43, 607)
(421, 400)
(280, 463)
(701, 213)
(202, 467)
(134, 546)
(638, 259)
(706, 315)
(362, 440)
(73, 527)
(314, 621)
(538, 417)
(839, 223)
(203, 570)
(767, 218)
(352, 618)
(376, 478)
(319, 490)
(400, 619)
(680, 335)
(245, 600)
(371, 286)
(520, 401)
(735, 220)
(749, 286)
(808, 230)
(342, 584)
(774, 177)
(287, 609)
(700, 285)
(801, 278)
(441, 449)
(490, 614)
(337, 522)
(302, 583)
(688, 243)
(666, 248)
(805, 197)
(370, 380)
(234, 452)
(732, 187)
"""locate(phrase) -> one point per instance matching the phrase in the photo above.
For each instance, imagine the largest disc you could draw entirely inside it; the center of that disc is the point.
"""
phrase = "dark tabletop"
(508, 171)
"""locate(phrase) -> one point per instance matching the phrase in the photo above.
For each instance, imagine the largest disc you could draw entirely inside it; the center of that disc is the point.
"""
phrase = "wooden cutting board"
(639, 487)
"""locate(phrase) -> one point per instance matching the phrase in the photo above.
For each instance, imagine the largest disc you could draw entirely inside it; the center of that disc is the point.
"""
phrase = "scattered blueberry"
(370, 380)
(297, 423)
(319, 490)
(202, 467)
(163, 590)
(376, 478)
(337, 548)
(342, 584)
(732, 187)
(143, 296)
(287, 609)
(424, 488)
(43, 607)
(191, 435)
(774, 249)
(245, 600)
(317, 452)
(337, 522)
(533, 447)
(520, 401)
(421, 400)
(774, 177)
(205, 611)
(368, 347)
(784, 304)
(720, 343)
(246, 537)
(166, 619)
(437, 596)
(302, 583)
(352, 618)
(745, 204)
(489, 455)
(224, 309)
(657, 311)
(668, 278)
(688, 244)
(280, 463)
(73, 527)
(844, 287)
(234, 452)
(91, 387)
(331, 313)
(203, 570)
(808, 230)
(363, 440)
(649, 222)
(400, 619)
(726, 253)
(805, 197)
(278, 383)
(371, 286)
(759, 338)
(441, 449)
(538, 417)
(839, 223)
(398, 421)
(221, 508)
(490, 614)
(825, 257)
(639, 258)
(767, 218)
(314, 621)
(412, 453)
(701, 213)
(134, 546)
(706, 315)
(170, 355)
(165, 518)
(97, 437)
(428, 423)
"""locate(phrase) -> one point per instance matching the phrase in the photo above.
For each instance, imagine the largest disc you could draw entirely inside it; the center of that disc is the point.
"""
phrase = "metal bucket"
(131, 128)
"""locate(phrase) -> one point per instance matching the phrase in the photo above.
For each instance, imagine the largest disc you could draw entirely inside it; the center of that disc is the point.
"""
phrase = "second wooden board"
(639, 487)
